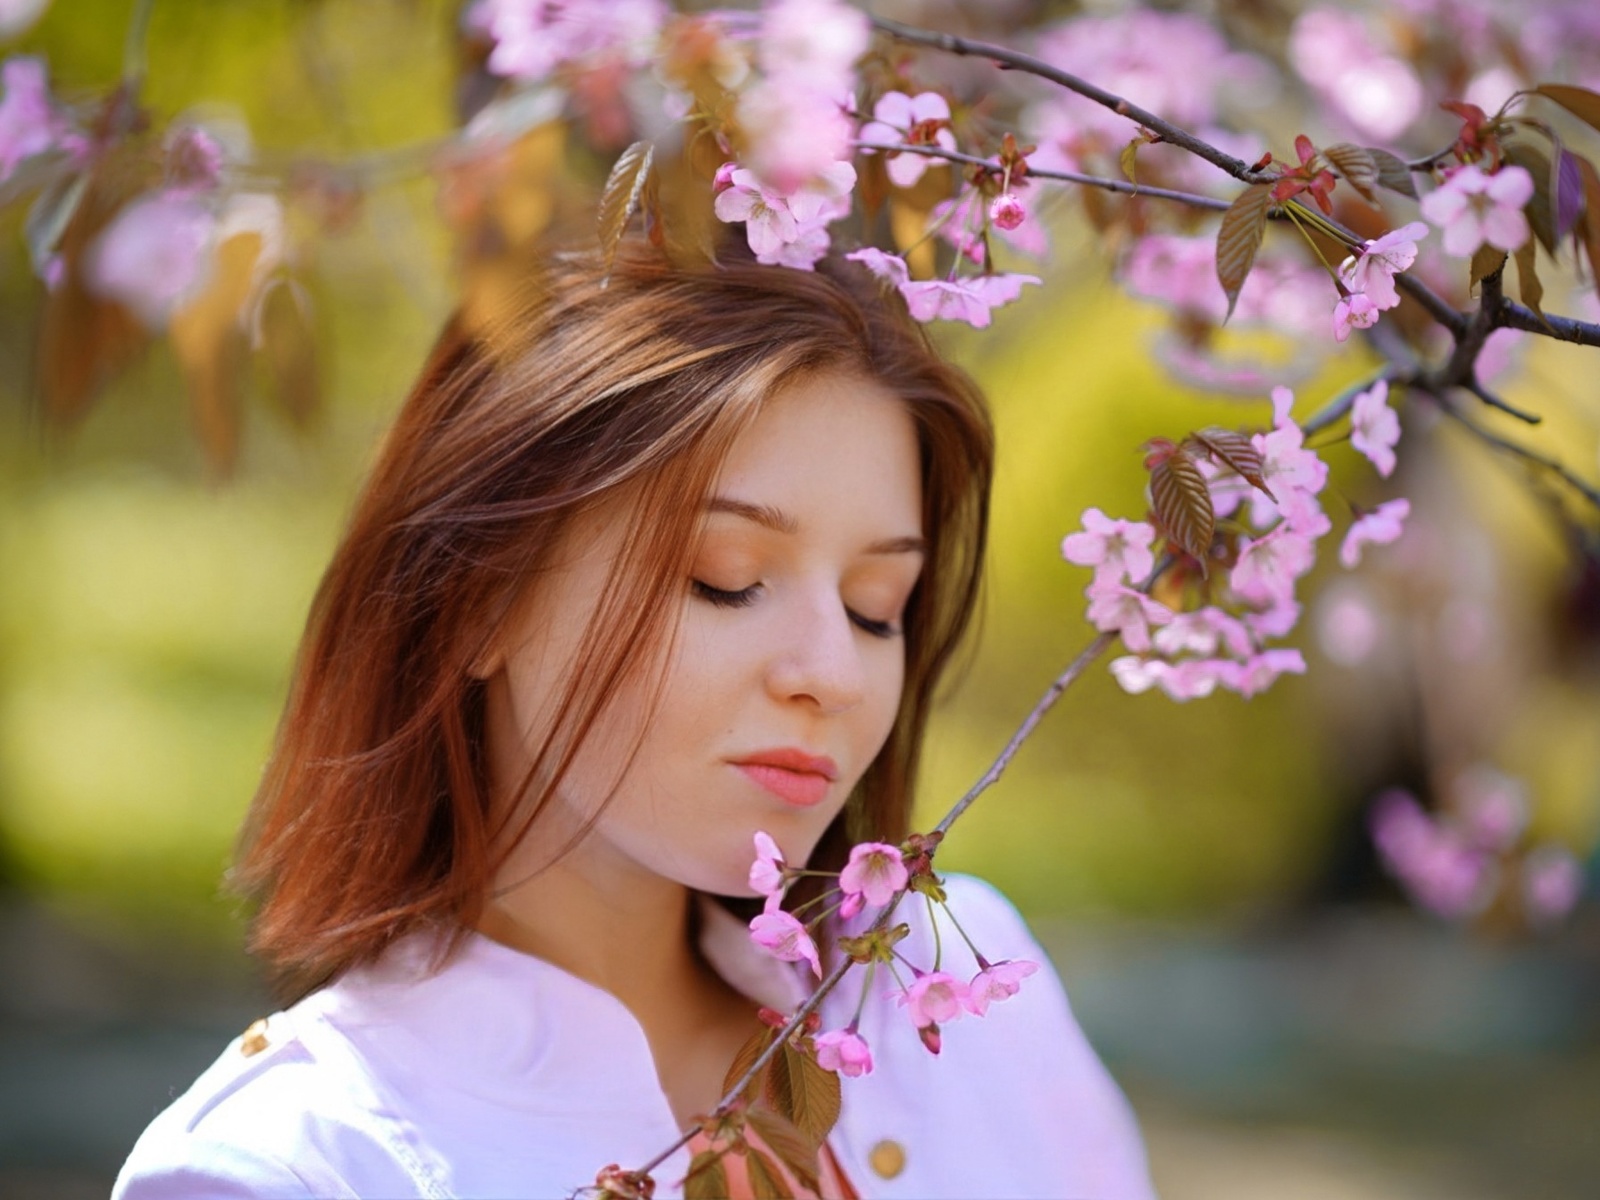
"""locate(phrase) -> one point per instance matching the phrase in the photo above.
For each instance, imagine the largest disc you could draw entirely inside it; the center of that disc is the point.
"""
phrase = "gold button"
(255, 1038)
(888, 1159)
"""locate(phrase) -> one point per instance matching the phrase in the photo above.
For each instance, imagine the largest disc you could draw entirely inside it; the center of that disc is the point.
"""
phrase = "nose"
(819, 661)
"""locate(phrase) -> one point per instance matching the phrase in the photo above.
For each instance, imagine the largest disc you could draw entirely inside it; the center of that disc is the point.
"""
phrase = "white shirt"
(502, 1075)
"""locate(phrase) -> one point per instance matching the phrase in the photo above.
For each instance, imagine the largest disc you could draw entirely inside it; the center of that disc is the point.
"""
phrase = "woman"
(650, 563)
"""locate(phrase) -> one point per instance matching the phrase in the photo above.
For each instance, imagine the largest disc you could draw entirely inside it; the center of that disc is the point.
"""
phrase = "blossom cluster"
(1457, 863)
(1189, 654)
(874, 877)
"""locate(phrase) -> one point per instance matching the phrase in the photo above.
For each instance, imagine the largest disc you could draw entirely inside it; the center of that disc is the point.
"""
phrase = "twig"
(1053, 693)
(1336, 408)
(1566, 329)
(1493, 401)
(1588, 491)
(1005, 56)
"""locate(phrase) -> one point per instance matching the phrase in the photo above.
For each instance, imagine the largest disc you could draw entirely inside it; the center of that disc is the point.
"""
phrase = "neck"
(631, 937)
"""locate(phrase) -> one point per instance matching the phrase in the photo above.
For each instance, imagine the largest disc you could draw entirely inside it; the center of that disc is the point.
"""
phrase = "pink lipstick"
(793, 776)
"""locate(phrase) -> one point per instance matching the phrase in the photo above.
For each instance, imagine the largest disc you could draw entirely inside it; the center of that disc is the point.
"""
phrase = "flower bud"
(1006, 211)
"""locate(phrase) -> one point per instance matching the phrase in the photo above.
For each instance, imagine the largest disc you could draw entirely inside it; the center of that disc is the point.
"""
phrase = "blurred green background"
(1286, 1026)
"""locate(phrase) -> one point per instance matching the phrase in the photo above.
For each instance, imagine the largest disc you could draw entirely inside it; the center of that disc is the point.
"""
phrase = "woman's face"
(788, 664)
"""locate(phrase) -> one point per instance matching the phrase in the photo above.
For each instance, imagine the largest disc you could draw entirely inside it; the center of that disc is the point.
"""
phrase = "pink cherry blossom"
(997, 981)
(1431, 859)
(766, 873)
(899, 120)
(1116, 549)
(155, 255)
(844, 1051)
(1373, 270)
(1007, 211)
(890, 268)
(1294, 475)
(1269, 565)
(1273, 621)
(1379, 527)
(28, 123)
(532, 38)
(795, 131)
(1197, 678)
(1259, 672)
(1374, 427)
(968, 299)
(1135, 675)
(815, 41)
(194, 159)
(875, 871)
(768, 223)
(1475, 209)
(1200, 631)
(1355, 311)
(787, 228)
(960, 220)
(784, 937)
(1552, 882)
(1114, 608)
(933, 998)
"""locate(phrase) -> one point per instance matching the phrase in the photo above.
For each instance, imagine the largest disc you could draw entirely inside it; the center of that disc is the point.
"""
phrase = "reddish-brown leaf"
(1589, 223)
(1243, 226)
(1357, 165)
(286, 339)
(745, 1059)
(788, 1143)
(816, 1094)
(1528, 285)
(1182, 503)
(1540, 208)
(766, 1180)
(1230, 449)
(777, 1087)
(1580, 102)
(619, 199)
(1486, 260)
(1393, 172)
(707, 1178)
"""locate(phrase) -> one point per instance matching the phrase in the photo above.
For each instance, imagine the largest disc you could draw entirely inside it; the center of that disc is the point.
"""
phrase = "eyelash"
(745, 597)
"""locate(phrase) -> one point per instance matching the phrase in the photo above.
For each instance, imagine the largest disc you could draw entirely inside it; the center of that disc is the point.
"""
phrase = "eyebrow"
(779, 521)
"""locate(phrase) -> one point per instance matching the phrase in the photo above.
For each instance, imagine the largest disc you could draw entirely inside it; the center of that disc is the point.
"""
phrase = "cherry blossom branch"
(1194, 199)
(1566, 329)
(1006, 57)
(1062, 682)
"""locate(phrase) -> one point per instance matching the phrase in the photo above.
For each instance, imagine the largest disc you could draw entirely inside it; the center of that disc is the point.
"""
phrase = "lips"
(792, 775)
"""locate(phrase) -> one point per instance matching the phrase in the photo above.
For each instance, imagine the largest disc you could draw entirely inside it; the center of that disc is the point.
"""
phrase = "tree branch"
(1532, 457)
(1566, 329)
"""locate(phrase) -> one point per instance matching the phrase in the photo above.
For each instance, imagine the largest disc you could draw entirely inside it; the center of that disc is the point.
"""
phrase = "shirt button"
(887, 1158)
(254, 1040)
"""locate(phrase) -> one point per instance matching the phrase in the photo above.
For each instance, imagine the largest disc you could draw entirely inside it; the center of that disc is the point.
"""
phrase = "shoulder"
(270, 1117)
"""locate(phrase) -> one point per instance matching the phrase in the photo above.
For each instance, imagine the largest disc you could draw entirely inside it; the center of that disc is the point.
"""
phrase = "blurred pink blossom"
(844, 1051)
(532, 38)
(1269, 566)
(1116, 549)
(154, 255)
(1121, 610)
(29, 124)
(966, 298)
(1337, 53)
(961, 228)
(796, 132)
(816, 42)
(1007, 211)
(1432, 860)
(1135, 674)
(1379, 527)
(17, 15)
(1375, 427)
(1348, 625)
(1259, 672)
(899, 120)
(1493, 807)
(1552, 882)
(1474, 209)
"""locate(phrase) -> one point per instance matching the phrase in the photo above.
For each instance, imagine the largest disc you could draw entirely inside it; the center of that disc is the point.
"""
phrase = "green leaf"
(1540, 210)
(707, 1178)
(1486, 260)
(1129, 158)
(816, 1094)
(619, 200)
(1393, 172)
(1182, 503)
(1243, 226)
(788, 1143)
(1230, 449)
(766, 1180)
(1580, 102)
(1357, 165)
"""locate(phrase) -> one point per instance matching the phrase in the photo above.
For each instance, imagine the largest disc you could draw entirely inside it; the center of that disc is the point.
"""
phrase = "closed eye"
(745, 597)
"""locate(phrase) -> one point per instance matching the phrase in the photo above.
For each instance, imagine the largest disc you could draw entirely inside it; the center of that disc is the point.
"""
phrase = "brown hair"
(374, 816)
